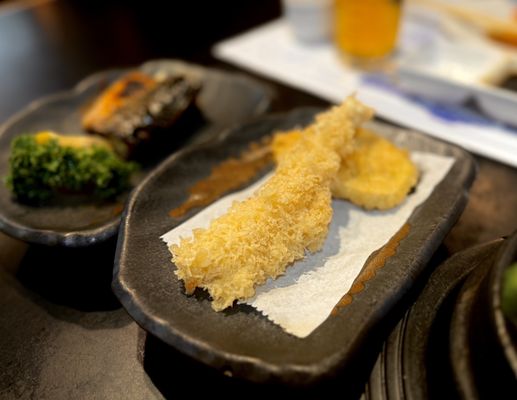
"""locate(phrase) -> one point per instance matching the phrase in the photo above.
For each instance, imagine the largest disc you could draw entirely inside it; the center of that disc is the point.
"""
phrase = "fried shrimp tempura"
(259, 237)
(377, 174)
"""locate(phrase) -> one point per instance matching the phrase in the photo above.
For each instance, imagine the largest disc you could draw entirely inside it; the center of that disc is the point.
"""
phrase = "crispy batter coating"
(259, 237)
(376, 175)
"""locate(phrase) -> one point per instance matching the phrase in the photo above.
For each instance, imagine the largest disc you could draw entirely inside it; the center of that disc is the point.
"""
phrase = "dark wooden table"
(62, 332)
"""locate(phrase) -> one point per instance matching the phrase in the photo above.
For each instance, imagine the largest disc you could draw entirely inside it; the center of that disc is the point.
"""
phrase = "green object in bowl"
(509, 293)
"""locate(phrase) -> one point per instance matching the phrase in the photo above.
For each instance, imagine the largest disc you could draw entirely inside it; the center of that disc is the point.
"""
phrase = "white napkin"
(303, 298)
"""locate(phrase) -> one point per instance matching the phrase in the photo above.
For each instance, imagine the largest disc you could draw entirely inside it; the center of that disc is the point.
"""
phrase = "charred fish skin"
(116, 96)
(142, 112)
(160, 107)
(169, 100)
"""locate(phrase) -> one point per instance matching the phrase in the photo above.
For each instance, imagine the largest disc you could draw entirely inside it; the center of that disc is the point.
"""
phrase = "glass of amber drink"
(366, 30)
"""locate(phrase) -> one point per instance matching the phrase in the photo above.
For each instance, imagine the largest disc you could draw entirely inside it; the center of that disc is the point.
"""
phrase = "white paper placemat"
(271, 50)
(303, 298)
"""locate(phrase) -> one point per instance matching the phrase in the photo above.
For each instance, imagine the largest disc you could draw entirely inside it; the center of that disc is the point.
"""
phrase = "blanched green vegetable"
(46, 163)
(509, 293)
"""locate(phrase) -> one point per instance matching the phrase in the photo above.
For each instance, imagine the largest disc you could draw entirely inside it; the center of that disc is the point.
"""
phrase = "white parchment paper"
(303, 298)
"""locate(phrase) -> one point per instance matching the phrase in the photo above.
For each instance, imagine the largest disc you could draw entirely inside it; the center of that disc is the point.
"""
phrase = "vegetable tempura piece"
(258, 238)
(377, 174)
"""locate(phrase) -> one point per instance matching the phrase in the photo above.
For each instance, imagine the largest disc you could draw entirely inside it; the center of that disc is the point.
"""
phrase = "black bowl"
(414, 363)
(480, 339)
(506, 332)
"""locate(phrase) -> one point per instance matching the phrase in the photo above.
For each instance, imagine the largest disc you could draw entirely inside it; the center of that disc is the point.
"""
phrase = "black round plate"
(225, 100)
(414, 363)
(477, 358)
(241, 341)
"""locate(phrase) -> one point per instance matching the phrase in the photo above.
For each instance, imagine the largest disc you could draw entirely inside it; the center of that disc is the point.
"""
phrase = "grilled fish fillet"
(258, 238)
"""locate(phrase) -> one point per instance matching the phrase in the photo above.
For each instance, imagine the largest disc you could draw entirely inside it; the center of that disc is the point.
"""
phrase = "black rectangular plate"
(241, 341)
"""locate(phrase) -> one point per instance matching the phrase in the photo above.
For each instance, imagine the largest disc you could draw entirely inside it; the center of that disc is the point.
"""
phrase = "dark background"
(57, 43)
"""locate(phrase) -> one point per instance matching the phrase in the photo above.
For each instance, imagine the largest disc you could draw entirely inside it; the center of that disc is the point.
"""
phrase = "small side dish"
(133, 112)
(222, 99)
